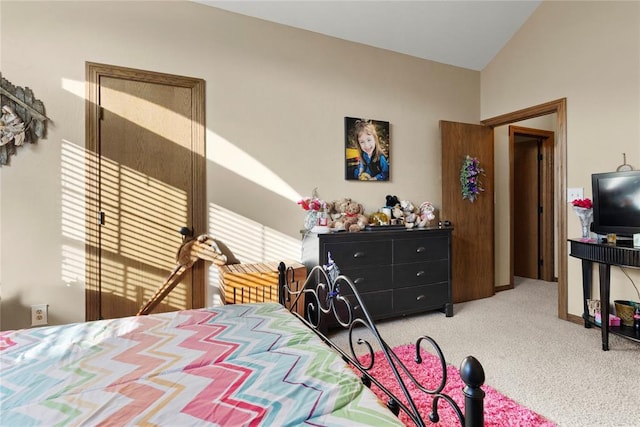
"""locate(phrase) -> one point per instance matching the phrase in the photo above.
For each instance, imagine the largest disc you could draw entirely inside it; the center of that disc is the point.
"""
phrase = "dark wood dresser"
(396, 272)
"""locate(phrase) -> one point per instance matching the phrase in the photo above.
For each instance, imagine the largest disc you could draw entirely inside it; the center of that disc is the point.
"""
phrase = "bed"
(232, 365)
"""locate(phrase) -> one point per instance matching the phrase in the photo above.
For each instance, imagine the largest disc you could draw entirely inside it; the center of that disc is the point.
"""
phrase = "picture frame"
(367, 149)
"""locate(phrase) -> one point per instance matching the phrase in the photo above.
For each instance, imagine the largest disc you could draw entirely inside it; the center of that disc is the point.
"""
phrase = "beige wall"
(276, 99)
(587, 52)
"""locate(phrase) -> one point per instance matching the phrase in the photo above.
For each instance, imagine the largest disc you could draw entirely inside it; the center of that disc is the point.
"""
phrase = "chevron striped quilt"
(235, 365)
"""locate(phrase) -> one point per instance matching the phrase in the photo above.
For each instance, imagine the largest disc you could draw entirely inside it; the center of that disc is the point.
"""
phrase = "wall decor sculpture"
(366, 149)
(22, 119)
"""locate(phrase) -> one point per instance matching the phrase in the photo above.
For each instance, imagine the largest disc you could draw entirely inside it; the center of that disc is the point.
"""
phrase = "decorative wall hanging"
(470, 178)
(22, 119)
(367, 146)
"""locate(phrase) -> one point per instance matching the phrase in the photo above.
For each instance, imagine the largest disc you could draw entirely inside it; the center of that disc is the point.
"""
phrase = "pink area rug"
(499, 410)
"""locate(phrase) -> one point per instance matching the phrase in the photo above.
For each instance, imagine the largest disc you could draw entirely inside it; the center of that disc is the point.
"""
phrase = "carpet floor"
(554, 367)
(499, 410)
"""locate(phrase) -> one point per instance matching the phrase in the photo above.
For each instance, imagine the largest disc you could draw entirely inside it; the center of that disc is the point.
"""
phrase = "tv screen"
(616, 202)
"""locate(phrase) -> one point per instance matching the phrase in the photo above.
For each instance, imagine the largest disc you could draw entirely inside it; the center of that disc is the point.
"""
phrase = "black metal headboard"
(323, 297)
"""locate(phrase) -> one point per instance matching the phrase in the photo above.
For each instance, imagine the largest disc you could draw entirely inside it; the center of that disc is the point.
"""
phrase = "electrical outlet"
(39, 315)
(575, 193)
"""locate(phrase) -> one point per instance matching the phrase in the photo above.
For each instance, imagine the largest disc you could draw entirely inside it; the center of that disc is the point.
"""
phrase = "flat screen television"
(616, 203)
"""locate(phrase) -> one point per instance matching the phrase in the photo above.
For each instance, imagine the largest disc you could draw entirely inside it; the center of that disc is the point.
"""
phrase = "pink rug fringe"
(499, 410)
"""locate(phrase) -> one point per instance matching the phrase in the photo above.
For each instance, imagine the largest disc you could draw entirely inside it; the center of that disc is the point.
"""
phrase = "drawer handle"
(359, 255)
(420, 273)
(420, 297)
(358, 280)
(421, 249)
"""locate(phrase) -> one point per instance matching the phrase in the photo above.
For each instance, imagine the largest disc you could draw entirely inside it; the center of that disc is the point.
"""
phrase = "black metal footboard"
(323, 296)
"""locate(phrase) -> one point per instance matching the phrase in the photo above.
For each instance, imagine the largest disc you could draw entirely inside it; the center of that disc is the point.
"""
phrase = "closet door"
(148, 182)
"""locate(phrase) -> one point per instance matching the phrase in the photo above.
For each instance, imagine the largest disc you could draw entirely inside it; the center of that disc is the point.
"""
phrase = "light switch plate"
(575, 193)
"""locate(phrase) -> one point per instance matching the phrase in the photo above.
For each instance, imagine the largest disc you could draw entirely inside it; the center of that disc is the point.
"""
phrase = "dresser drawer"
(420, 249)
(368, 279)
(358, 254)
(420, 273)
(379, 304)
(421, 298)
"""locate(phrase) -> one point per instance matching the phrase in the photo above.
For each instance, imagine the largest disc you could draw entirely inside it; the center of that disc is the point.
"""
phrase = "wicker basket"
(624, 310)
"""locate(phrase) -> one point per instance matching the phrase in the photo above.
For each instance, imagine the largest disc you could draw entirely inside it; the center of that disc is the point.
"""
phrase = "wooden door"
(526, 208)
(147, 182)
(473, 270)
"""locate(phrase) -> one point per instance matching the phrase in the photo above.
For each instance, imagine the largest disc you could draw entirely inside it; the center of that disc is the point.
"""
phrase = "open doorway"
(559, 107)
(531, 153)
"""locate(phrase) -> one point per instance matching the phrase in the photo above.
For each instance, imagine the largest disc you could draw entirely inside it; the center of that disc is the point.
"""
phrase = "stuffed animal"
(392, 201)
(407, 207)
(331, 210)
(336, 213)
(355, 219)
(410, 220)
(397, 212)
(348, 215)
(426, 214)
(409, 216)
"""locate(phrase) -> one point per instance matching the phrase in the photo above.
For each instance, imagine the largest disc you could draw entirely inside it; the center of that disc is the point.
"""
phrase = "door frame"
(93, 73)
(546, 180)
(559, 107)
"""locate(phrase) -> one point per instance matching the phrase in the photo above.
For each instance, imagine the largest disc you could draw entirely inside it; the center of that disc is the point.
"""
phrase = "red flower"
(582, 203)
(311, 204)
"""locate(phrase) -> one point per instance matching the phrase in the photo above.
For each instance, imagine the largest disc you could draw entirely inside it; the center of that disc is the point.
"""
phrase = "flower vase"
(311, 220)
(585, 215)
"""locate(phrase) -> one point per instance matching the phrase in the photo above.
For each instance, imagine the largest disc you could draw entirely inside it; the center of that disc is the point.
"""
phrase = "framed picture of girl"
(366, 149)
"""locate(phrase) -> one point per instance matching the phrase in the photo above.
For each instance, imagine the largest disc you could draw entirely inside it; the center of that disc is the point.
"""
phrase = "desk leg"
(587, 279)
(604, 271)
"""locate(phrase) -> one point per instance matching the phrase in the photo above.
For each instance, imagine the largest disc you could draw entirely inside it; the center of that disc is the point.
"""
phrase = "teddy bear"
(355, 219)
(348, 215)
(336, 213)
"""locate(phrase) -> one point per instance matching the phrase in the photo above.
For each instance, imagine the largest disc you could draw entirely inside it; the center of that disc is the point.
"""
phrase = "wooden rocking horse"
(192, 250)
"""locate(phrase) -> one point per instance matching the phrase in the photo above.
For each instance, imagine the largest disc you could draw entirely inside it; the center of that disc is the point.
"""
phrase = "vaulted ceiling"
(463, 33)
